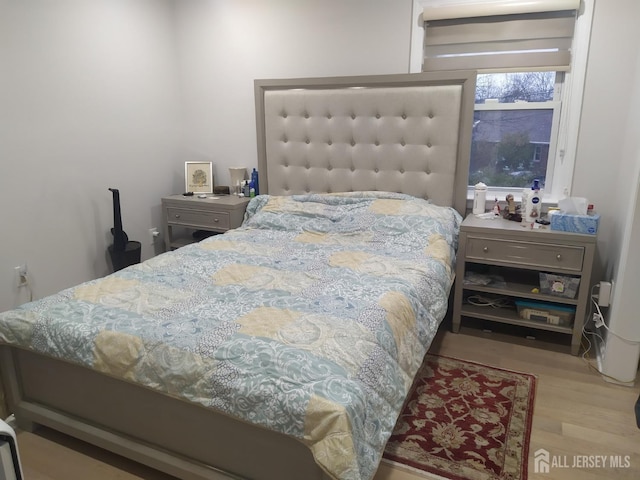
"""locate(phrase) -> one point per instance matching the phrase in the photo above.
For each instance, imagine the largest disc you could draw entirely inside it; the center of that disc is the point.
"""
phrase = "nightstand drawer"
(525, 253)
(198, 218)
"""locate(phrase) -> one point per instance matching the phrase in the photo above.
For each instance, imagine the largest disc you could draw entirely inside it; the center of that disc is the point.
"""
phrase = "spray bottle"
(254, 180)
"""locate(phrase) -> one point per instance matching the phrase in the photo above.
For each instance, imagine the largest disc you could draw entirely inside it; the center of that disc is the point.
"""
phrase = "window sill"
(492, 194)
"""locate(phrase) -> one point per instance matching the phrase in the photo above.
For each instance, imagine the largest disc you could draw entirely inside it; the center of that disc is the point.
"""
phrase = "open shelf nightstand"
(516, 253)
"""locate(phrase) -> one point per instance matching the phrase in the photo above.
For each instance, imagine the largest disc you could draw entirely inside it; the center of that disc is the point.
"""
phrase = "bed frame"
(403, 133)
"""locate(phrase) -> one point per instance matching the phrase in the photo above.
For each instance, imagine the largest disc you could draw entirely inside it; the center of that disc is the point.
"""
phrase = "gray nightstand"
(518, 253)
(192, 213)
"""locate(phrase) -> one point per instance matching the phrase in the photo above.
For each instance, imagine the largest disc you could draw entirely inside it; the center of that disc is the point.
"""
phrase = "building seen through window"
(515, 128)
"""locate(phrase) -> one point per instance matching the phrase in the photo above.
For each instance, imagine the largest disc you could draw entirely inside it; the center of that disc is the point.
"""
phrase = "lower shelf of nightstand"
(509, 316)
(183, 240)
(515, 335)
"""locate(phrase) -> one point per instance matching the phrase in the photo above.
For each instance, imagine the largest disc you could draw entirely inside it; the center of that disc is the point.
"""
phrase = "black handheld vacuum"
(123, 252)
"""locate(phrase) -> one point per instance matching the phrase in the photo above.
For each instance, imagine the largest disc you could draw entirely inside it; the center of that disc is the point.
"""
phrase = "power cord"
(480, 301)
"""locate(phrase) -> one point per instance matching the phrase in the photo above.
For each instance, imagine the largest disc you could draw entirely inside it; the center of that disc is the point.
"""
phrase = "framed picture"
(198, 177)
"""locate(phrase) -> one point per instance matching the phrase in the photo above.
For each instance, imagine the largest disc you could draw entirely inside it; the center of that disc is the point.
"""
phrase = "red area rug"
(465, 421)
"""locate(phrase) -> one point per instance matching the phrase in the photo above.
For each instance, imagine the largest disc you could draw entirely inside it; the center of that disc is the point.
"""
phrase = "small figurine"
(496, 207)
(511, 204)
(511, 211)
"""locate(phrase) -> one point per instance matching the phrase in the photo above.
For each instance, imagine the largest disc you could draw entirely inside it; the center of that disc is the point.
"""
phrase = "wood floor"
(577, 415)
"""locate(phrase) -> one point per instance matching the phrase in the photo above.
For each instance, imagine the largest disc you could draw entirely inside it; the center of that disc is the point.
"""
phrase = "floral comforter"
(311, 319)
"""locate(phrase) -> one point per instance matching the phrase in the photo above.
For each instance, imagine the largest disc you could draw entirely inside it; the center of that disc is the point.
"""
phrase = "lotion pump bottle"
(534, 202)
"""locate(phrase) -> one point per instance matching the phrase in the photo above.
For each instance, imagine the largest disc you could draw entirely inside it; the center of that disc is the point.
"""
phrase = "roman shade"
(499, 36)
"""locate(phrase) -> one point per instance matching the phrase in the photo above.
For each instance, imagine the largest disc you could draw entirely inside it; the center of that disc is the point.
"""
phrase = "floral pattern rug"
(465, 421)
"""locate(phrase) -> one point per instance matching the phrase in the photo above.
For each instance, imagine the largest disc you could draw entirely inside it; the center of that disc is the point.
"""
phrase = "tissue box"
(572, 222)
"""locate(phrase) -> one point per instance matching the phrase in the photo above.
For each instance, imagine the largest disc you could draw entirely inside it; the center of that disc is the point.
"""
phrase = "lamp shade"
(237, 174)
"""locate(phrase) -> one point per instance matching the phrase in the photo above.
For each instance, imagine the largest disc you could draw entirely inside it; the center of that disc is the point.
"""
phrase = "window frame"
(569, 93)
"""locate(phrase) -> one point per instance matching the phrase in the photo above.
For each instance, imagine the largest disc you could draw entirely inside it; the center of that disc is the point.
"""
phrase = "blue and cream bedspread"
(311, 319)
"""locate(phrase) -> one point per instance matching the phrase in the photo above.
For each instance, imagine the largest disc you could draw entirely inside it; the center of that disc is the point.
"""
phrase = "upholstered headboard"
(400, 133)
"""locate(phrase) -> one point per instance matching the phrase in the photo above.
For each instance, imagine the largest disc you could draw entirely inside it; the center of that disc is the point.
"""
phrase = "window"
(515, 126)
(531, 60)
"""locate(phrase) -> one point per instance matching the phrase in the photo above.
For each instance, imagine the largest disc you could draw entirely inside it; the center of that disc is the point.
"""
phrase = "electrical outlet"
(604, 293)
(153, 234)
(21, 275)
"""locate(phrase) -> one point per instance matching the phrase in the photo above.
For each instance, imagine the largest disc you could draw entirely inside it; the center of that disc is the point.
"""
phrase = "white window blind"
(501, 38)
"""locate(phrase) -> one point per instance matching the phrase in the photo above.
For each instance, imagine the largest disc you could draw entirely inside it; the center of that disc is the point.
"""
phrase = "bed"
(283, 349)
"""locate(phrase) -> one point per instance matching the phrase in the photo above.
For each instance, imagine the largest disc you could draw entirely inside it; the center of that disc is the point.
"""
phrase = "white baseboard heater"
(10, 468)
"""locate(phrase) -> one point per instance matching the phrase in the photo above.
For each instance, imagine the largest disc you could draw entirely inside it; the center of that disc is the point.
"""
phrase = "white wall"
(610, 82)
(87, 102)
(224, 45)
(608, 164)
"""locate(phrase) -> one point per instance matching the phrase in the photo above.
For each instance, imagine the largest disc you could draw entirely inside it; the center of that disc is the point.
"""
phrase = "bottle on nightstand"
(254, 180)
(534, 202)
(479, 198)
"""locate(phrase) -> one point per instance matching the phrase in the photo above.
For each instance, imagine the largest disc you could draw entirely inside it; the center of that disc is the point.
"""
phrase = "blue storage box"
(546, 312)
(572, 222)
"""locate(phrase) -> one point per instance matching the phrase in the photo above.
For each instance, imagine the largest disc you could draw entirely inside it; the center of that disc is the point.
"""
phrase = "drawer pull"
(217, 220)
(485, 249)
(559, 257)
(177, 215)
